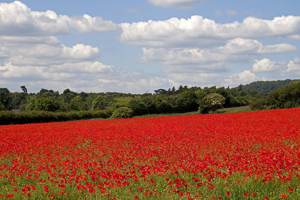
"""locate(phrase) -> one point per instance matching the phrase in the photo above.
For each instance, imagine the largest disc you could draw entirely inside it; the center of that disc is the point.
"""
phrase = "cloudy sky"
(140, 45)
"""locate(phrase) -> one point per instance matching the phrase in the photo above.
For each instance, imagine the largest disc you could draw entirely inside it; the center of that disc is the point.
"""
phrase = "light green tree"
(211, 103)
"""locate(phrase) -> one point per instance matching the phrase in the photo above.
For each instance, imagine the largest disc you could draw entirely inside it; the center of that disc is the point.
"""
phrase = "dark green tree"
(24, 89)
(68, 95)
(5, 98)
(2, 107)
(149, 104)
(162, 106)
(16, 99)
(189, 101)
(78, 104)
(137, 107)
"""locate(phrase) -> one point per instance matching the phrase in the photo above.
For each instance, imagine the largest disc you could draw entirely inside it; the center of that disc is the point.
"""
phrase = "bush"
(9, 117)
(122, 112)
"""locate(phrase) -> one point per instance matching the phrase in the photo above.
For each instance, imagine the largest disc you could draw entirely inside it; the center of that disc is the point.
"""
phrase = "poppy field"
(254, 155)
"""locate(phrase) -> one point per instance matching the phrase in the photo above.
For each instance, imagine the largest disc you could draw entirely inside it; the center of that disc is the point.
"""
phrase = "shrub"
(122, 112)
(8, 117)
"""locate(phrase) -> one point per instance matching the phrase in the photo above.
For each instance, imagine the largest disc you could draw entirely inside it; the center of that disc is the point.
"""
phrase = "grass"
(235, 109)
(219, 111)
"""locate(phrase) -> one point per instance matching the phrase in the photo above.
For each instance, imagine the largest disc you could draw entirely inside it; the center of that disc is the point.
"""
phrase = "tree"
(47, 104)
(211, 103)
(162, 106)
(149, 104)
(2, 107)
(189, 101)
(17, 98)
(122, 112)
(24, 89)
(5, 98)
(68, 95)
(98, 103)
(78, 104)
(137, 107)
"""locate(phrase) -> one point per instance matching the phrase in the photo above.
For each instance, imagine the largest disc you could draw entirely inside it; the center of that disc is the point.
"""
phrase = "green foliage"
(122, 112)
(68, 95)
(9, 117)
(149, 104)
(162, 106)
(2, 107)
(286, 97)
(5, 98)
(98, 103)
(16, 99)
(31, 104)
(46, 104)
(78, 104)
(137, 107)
(189, 101)
(264, 87)
(211, 103)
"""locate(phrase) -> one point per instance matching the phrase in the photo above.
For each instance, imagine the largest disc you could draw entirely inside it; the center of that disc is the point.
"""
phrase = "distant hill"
(264, 87)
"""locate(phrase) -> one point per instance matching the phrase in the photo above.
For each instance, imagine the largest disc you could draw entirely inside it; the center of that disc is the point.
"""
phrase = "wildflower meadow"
(253, 155)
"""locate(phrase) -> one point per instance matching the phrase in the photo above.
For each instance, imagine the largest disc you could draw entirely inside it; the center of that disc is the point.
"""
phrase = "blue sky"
(141, 45)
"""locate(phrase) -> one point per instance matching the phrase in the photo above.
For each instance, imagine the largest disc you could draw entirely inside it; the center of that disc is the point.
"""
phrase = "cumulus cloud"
(211, 60)
(241, 78)
(280, 69)
(293, 67)
(88, 24)
(45, 54)
(266, 65)
(199, 31)
(16, 19)
(213, 79)
(82, 76)
(29, 39)
(174, 3)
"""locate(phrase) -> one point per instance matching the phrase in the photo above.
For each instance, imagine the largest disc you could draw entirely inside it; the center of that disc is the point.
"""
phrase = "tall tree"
(24, 89)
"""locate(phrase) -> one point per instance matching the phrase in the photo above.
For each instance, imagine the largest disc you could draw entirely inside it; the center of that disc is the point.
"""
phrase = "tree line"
(180, 100)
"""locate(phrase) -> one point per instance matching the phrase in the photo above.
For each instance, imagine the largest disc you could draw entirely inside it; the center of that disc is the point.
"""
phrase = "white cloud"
(211, 60)
(199, 31)
(293, 67)
(213, 79)
(241, 78)
(174, 3)
(81, 76)
(16, 19)
(232, 12)
(249, 46)
(29, 39)
(88, 24)
(45, 54)
(280, 69)
(266, 65)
